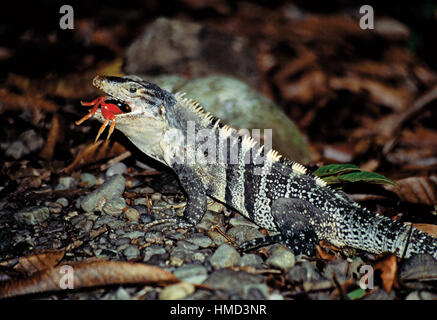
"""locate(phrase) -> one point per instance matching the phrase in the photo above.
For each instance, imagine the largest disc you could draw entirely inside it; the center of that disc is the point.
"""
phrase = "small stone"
(177, 291)
(187, 246)
(156, 196)
(131, 252)
(153, 250)
(32, 141)
(63, 202)
(244, 233)
(216, 237)
(132, 215)
(32, 215)
(210, 219)
(338, 268)
(231, 281)
(115, 207)
(250, 260)
(66, 183)
(257, 291)
(199, 256)
(118, 168)
(87, 180)
(134, 235)
(16, 150)
(421, 295)
(242, 221)
(144, 190)
(140, 201)
(281, 258)
(191, 273)
(176, 261)
(200, 240)
(111, 189)
(225, 256)
(120, 294)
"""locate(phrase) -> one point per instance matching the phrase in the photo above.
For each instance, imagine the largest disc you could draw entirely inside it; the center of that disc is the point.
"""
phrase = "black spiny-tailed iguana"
(275, 193)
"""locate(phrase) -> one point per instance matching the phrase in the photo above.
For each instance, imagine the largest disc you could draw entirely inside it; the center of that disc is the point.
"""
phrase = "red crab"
(109, 108)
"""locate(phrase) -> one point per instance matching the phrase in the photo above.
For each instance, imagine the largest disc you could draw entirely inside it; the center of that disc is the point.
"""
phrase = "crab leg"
(102, 128)
(111, 129)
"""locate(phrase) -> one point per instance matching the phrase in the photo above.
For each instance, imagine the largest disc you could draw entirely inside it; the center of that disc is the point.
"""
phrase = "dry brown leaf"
(321, 254)
(421, 190)
(89, 274)
(96, 152)
(28, 101)
(388, 267)
(395, 98)
(36, 262)
(52, 138)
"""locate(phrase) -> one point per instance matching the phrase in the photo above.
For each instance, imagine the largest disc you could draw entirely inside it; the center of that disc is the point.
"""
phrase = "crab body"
(109, 108)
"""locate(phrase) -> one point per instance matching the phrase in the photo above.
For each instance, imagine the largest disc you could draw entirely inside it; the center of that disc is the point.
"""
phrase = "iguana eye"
(132, 89)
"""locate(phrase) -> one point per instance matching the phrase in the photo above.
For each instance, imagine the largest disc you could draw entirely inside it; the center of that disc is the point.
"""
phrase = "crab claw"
(95, 103)
(109, 108)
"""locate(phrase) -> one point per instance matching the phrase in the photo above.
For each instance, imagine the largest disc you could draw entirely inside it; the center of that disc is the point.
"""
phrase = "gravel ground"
(76, 208)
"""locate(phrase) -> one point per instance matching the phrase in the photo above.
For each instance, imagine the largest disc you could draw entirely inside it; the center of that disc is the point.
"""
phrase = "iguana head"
(136, 107)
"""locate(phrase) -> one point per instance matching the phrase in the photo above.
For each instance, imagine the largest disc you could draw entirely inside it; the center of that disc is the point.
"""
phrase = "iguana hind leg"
(292, 218)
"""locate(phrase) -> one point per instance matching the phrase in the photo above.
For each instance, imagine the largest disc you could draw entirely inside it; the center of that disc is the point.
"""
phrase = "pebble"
(152, 250)
(199, 256)
(421, 295)
(117, 168)
(191, 273)
(281, 257)
(244, 233)
(144, 190)
(87, 180)
(112, 188)
(156, 196)
(241, 221)
(66, 183)
(120, 294)
(200, 240)
(131, 252)
(32, 215)
(304, 271)
(225, 256)
(63, 202)
(216, 237)
(16, 150)
(112, 222)
(134, 235)
(32, 141)
(250, 260)
(115, 207)
(255, 291)
(132, 215)
(211, 219)
(232, 281)
(140, 201)
(339, 268)
(187, 246)
(177, 291)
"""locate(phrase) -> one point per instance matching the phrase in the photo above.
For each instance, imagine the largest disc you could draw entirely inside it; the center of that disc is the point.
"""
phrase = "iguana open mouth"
(109, 107)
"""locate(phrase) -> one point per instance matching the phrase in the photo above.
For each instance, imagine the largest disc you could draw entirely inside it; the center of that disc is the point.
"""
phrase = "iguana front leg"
(196, 200)
(291, 219)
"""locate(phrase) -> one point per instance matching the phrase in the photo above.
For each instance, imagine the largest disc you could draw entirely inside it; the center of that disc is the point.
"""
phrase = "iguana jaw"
(146, 124)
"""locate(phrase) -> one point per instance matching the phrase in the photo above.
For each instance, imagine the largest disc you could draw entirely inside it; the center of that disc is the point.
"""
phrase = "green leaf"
(365, 176)
(356, 294)
(332, 169)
